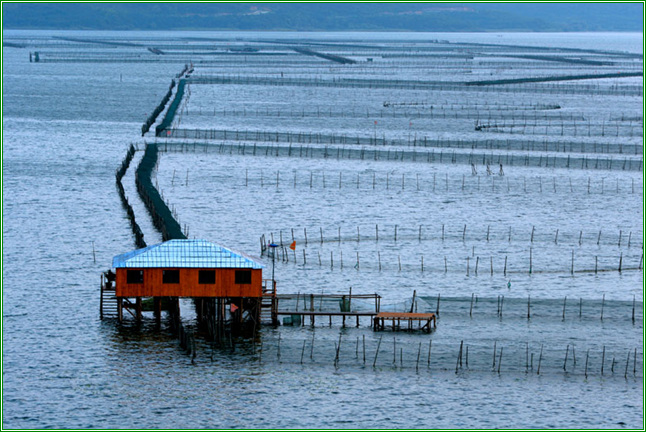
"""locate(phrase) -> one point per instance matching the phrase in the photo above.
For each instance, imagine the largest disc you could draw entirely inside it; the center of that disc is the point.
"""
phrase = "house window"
(207, 277)
(170, 276)
(135, 276)
(243, 277)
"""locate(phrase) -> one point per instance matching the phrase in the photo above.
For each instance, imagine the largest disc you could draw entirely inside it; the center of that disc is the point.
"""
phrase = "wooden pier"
(301, 306)
(379, 321)
(313, 315)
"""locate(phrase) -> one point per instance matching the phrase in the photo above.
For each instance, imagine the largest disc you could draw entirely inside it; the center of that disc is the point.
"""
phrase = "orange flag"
(293, 245)
(233, 308)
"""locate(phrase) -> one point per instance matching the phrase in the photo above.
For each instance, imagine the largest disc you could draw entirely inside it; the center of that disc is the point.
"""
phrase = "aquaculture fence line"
(373, 153)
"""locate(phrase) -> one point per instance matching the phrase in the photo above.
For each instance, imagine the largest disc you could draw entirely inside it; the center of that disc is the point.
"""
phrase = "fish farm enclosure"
(494, 180)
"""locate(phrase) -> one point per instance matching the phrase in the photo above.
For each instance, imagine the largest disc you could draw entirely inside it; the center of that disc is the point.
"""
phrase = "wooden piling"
(471, 307)
(419, 352)
(500, 360)
(458, 362)
(540, 358)
(374, 363)
(528, 307)
(530, 260)
(364, 349)
(627, 361)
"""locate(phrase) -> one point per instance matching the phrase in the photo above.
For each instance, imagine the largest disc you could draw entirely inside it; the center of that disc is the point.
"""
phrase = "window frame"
(130, 276)
(243, 277)
(167, 274)
(204, 273)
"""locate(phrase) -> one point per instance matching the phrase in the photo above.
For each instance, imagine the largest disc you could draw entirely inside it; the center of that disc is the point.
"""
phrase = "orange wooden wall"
(188, 285)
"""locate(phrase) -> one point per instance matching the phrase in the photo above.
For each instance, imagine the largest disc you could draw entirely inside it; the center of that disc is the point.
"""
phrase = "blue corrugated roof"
(185, 253)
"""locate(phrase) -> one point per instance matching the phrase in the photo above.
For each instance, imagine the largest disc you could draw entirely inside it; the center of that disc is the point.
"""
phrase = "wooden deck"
(314, 314)
(379, 321)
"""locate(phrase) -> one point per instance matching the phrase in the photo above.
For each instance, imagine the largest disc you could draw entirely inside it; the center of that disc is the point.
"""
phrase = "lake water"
(68, 121)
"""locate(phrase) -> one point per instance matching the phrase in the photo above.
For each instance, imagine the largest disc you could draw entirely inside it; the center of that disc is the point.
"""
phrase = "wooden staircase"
(268, 302)
(109, 306)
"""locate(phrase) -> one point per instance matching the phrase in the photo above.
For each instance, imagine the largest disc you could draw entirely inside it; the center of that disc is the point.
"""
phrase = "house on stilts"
(226, 286)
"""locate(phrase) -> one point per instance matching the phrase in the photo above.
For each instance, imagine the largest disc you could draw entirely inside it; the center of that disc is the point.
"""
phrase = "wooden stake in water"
(627, 360)
(459, 360)
(587, 355)
(540, 358)
(364, 349)
(564, 300)
(530, 261)
(419, 352)
(471, 308)
(603, 359)
(603, 300)
(494, 355)
(303, 351)
(528, 307)
(430, 345)
(500, 360)
(567, 350)
(374, 363)
(394, 350)
(94, 257)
